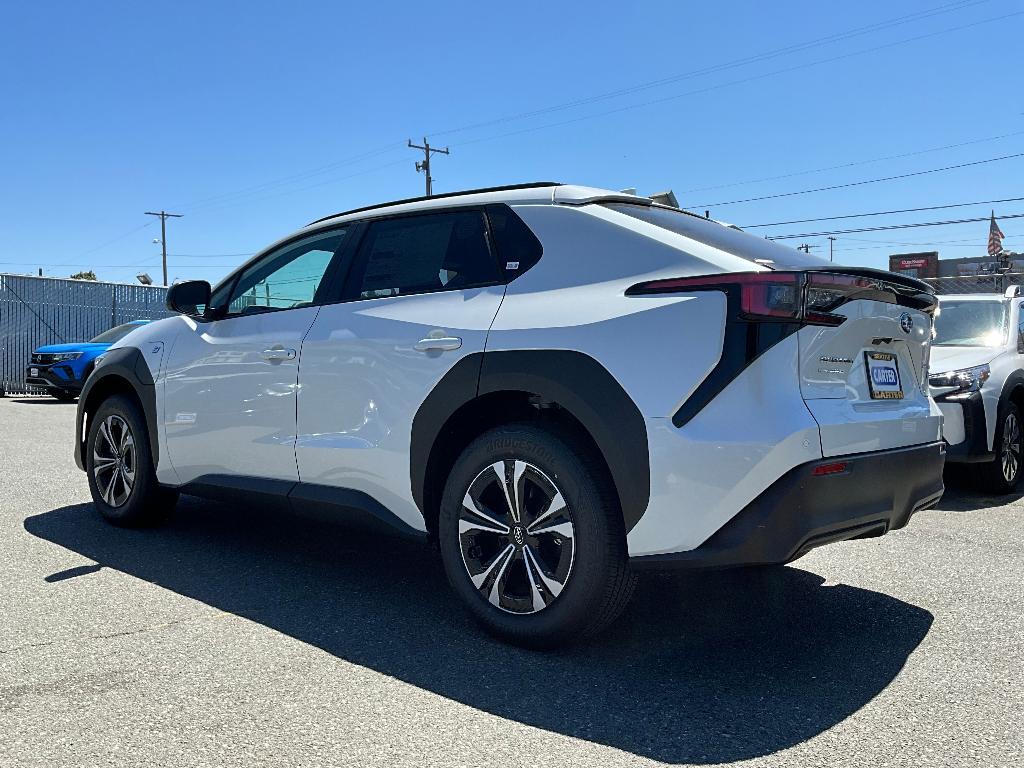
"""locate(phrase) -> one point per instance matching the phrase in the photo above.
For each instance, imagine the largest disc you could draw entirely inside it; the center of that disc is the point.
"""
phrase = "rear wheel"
(1003, 473)
(119, 463)
(532, 537)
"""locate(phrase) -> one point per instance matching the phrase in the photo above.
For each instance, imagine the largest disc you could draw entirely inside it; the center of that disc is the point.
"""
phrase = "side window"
(517, 247)
(285, 278)
(420, 254)
(1020, 327)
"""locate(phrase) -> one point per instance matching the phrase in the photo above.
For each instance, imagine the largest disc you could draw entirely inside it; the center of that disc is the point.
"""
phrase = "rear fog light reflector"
(835, 468)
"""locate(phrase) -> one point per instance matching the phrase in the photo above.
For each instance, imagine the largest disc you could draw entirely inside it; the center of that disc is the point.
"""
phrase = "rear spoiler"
(881, 275)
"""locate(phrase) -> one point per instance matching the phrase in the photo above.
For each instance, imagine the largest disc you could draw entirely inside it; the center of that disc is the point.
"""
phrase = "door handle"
(438, 344)
(278, 353)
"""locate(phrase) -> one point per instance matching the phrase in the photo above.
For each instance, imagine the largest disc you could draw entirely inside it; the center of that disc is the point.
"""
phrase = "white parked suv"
(557, 385)
(977, 379)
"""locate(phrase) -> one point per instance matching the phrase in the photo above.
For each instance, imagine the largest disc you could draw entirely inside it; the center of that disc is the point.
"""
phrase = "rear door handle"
(278, 353)
(438, 344)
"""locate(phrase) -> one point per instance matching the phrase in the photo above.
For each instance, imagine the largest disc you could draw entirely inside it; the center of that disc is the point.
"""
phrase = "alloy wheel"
(1010, 454)
(517, 537)
(114, 460)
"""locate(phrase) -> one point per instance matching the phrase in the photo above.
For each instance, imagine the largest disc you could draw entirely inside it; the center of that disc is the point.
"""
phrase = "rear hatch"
(864, 379)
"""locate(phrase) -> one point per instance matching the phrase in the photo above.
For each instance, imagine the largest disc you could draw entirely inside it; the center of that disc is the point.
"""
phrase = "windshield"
(116, 333)
(970, 323)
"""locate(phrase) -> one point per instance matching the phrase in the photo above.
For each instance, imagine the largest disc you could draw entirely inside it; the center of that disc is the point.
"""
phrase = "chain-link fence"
(987, 283)
(46, 310)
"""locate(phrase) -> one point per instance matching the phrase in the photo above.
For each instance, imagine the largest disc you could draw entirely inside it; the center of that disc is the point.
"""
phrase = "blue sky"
(254, 118)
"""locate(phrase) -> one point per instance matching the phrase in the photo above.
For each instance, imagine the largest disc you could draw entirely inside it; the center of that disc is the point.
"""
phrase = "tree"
(86, 275)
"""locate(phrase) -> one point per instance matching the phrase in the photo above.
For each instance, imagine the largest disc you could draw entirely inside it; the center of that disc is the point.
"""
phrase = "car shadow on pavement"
(963, 495)
(705, 668)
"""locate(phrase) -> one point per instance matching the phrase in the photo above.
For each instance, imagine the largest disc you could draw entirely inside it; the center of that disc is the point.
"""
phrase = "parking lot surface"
(234, 636)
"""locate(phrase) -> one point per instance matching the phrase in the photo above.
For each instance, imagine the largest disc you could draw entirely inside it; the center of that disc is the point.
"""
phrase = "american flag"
(995, 237)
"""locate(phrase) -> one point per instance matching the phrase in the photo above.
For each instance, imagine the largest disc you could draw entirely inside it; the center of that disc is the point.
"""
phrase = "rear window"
(116, 333)
(734, 241)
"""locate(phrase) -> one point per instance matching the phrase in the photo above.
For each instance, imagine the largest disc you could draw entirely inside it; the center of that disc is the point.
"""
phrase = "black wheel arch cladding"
(574, 381)
(128, 365)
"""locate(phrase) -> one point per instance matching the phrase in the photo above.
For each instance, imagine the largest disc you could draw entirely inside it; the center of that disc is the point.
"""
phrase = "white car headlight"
(963, 381)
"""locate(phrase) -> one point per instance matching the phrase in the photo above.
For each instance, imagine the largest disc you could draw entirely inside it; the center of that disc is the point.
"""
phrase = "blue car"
(63, 368)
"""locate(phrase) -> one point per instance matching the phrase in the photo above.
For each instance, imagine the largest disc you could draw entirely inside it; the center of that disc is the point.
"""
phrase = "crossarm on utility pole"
(164, 215)
(425, 165)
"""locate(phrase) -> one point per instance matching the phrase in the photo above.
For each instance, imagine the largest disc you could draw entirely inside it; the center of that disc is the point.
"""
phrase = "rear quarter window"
(515, 245)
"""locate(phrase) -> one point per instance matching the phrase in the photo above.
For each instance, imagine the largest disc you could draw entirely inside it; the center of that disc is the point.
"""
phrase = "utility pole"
(425, 165)
(805, 247)
(830, 241)
(164, 215)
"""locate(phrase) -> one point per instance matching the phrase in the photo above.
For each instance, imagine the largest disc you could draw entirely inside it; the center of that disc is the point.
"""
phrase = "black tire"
(533, 608)
(1003, 473)
(125, 489)
(63, 395)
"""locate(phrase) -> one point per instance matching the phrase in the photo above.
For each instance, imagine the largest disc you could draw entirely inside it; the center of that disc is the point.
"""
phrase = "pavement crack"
(25, 647)
(107, 636)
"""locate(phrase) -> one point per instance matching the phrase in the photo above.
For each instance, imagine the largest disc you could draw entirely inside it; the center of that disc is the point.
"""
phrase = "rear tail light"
(807, 298)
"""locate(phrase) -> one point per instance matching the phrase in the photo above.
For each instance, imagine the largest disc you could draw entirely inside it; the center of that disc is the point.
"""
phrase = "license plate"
(33, 372)
(883, 376)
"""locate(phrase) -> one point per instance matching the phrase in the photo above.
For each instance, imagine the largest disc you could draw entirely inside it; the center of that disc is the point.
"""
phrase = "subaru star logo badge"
(906, 322)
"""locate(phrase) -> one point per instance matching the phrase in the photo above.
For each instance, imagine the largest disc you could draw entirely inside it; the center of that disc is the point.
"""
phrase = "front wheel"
(119, 463)
(532, 537)
(1003, 473)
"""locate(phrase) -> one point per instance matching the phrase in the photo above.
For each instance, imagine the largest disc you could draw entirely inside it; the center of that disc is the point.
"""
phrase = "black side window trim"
(336, 294)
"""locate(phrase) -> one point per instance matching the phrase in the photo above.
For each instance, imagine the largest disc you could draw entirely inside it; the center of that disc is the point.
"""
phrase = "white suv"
(557, 385)
(977, 379)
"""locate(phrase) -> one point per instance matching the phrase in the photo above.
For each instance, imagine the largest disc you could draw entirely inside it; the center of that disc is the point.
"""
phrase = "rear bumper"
(973, 447)
(875, 493)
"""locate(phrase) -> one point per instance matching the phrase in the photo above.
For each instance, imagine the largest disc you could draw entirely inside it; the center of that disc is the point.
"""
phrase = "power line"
(118, 238)
(853, 164)
(884, 213)
(857, 183)
(976, 244)
(292, 178)
(742, 81)
(712, 69)
(272, 195)
(425, 165)
(971, 240)
(893, 226)
(210, 255)
(643, 86)
(114, 266)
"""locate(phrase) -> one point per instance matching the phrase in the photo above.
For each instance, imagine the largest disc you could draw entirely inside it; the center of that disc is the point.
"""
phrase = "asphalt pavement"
(241, 637)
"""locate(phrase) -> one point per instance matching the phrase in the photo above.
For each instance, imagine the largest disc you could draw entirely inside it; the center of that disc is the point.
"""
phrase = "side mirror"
(190, 298)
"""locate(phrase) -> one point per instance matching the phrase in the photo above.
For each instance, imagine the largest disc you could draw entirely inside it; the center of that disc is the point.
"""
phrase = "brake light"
(766, 296)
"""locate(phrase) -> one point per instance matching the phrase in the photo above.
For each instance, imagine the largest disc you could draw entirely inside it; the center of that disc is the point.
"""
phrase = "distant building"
(928, 264)
(924, 264)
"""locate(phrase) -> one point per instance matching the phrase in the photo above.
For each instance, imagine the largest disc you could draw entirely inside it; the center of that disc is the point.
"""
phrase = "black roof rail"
(506, 188)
